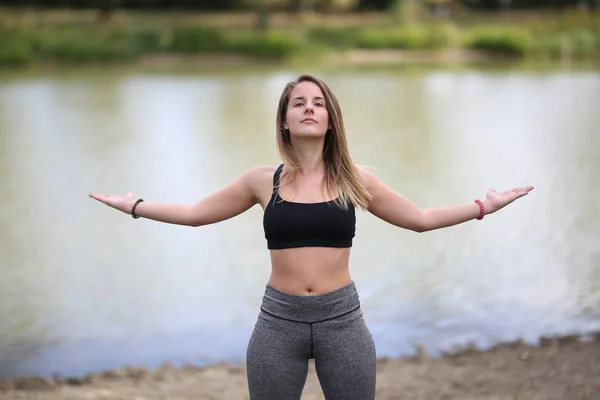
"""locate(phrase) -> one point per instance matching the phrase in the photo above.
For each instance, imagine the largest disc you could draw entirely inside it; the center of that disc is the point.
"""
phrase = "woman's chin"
(309, 135)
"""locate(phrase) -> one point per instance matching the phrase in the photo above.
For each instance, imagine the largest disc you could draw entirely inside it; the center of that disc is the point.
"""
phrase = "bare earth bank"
(560, 369)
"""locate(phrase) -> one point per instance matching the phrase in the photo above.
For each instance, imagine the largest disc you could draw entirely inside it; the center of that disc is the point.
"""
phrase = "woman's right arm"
(226, 203)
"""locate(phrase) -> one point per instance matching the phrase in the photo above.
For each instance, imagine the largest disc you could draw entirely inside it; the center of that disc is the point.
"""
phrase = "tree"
(375, 5)
(262, 15)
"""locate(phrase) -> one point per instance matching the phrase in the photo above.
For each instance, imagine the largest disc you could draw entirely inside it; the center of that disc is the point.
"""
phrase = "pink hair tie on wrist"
(481, 209)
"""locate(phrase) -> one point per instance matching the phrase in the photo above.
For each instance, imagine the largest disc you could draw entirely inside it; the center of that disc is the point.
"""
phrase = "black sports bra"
(288, 224)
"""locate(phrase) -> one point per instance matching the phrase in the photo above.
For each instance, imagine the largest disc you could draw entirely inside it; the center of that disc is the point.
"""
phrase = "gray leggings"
(293, 329)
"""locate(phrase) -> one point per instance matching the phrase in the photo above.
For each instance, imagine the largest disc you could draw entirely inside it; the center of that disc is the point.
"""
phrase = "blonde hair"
(341, 175)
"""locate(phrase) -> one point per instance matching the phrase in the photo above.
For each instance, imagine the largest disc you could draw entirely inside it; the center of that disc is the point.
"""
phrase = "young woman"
(311, 307)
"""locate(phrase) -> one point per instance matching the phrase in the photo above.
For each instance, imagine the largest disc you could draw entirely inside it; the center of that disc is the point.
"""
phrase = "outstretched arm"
(400, 211)
(226, 203)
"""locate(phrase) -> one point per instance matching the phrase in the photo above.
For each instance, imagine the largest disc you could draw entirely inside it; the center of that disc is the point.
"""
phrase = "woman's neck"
(310, 156)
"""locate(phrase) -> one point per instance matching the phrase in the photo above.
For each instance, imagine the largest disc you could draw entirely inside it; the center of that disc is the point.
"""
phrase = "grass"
(28, 37)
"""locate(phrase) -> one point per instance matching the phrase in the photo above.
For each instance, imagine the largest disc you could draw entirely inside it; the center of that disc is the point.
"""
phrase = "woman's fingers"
(96, 196)
(104, 198)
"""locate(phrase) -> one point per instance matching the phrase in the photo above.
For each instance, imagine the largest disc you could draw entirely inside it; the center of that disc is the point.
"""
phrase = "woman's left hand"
(494, 201)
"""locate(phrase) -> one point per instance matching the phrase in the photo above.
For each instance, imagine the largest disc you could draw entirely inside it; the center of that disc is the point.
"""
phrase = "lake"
(85, 288)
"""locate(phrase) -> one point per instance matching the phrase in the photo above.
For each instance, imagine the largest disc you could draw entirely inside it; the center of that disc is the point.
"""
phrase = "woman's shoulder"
(366, 175)
(260, 175)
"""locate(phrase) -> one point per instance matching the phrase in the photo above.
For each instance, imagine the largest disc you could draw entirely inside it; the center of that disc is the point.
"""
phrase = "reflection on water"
(85, 288)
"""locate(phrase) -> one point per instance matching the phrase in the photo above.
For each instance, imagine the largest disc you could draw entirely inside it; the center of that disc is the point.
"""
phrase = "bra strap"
(276, 177)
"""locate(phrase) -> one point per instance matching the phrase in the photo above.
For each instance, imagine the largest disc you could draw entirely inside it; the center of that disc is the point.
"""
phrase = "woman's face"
(307, 114)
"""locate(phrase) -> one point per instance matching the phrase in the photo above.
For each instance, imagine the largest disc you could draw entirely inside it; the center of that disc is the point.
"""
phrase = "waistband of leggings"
(311, 308)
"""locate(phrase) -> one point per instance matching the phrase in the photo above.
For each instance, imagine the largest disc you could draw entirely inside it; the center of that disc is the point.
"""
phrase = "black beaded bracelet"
(138, 201)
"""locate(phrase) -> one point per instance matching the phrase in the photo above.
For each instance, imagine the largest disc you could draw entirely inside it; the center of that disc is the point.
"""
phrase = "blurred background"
(173, 100)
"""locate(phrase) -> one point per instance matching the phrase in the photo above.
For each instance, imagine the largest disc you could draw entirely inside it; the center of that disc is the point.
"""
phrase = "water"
(85, 288)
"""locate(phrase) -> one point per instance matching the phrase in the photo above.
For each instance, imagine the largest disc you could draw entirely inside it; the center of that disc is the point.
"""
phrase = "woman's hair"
(341, 175)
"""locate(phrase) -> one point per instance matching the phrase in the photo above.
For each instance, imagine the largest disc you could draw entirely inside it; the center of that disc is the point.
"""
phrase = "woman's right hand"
(121, 203)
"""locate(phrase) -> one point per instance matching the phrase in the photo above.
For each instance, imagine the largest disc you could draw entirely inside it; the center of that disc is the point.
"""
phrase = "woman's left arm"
(400, 211)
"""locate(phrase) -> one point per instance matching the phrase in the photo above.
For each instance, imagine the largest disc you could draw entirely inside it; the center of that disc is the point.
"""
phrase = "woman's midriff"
(310, 270)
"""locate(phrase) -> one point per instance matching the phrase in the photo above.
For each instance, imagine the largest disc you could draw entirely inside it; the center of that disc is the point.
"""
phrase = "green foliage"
(337, 38)
(16, 49)
(436, 36)
(443, 35)
(83, 45)
(579, 44)
(197, 39)
(147, 40)
(83, 39)
(583, 42)
(269, 46)
(402, 38)
(514, 42)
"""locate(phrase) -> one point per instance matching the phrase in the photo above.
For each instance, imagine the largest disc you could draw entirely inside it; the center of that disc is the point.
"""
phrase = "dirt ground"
(559, 369)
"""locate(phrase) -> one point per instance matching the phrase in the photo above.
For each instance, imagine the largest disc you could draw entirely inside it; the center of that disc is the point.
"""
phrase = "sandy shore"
(559, 369)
